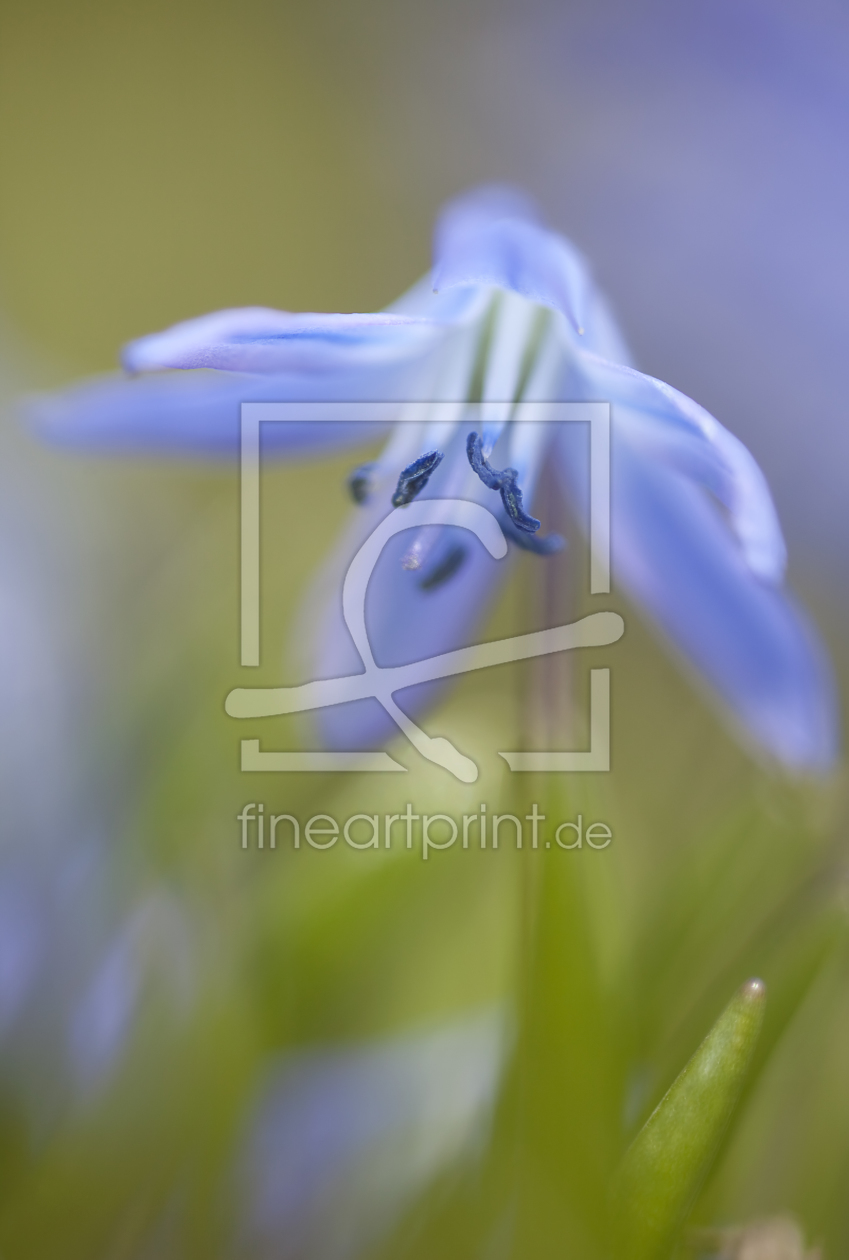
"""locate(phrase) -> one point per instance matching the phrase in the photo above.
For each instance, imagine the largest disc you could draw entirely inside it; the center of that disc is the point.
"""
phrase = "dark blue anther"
(511, 497)
(361, 482)
(504, 482)
(415, 477)
(480, 464)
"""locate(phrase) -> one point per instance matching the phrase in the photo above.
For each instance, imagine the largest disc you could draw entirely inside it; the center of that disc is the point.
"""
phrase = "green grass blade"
(671, 1155)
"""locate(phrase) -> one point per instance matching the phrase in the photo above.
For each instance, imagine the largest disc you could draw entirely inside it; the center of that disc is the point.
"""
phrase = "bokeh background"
(161, 160)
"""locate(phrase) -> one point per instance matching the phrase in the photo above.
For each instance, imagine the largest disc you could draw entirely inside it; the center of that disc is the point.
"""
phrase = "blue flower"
(510, 314)
(340, 1139)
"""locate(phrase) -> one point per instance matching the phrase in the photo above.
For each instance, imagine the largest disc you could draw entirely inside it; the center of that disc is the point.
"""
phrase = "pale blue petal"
(22, 945)
(602, 334)
(489, 237)
(673, 429)
(102, 1022)
(405, 622)
(192, 413)
(674, 555)
(342, 1138)
(511, 333)
(256, 339)
(454, 306)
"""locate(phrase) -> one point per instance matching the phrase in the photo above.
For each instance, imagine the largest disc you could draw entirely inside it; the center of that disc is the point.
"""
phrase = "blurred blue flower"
(511, 314)
(154, 937)
(341, 1139)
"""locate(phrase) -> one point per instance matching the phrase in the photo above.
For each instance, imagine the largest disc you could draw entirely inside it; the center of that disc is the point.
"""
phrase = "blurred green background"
(161, 160)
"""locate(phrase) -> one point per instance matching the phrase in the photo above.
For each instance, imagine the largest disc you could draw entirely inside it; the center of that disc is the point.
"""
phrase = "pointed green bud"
(670, 1157)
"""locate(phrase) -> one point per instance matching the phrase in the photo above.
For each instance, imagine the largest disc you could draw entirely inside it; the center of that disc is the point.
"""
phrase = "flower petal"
(491, 237)
(256, 339)
(192, 413)
(674, 429)
(384, 357)
(341, 1138)
(406, 621)
(673, 554)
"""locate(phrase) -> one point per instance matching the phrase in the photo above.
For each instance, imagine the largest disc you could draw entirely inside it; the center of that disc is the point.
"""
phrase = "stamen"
(550, 545)
(480, 464)
(511, 497)
(361, 482)
(445, 569)
(504, 482)
(415, 477)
